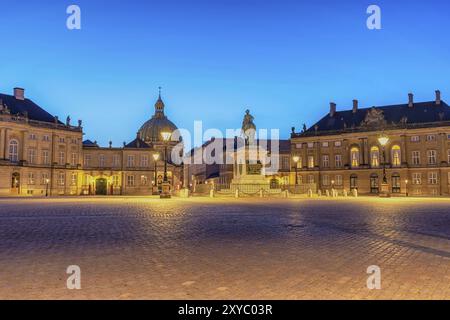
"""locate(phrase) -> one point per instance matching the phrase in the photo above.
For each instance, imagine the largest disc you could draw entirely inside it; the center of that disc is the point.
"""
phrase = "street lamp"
(47, 181)
(296, 159)
(165, 185)
(384, 140)
(155, 183)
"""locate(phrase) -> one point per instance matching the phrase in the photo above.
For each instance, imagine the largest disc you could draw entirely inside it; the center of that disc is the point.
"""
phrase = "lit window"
(325, 161)
(44, 178)
(310, 145)
(417, 178)
(432, 178)
(354, 156)
(14, 151)
(73, 179)
(337, 143)
(31, 178)
(338, 161)
(325, 144)
(310, 162)
(375, 157)
(115, 181)
(416, 158)
(396, 156)
(432, 157)
(144, 180)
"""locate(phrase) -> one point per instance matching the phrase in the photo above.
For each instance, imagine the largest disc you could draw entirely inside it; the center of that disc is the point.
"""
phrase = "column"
(366, 151)
(23, 156)
(404, 152)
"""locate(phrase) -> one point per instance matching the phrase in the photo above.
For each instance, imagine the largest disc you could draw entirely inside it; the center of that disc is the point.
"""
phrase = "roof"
(382, 117)
(89, 144)
(138, 144)
(26, 106)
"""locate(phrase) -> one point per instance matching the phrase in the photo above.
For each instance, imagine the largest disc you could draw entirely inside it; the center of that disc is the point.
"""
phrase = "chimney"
(19, 93)
(438, 97)
(410, 100)
(332, 109)
(355, 106)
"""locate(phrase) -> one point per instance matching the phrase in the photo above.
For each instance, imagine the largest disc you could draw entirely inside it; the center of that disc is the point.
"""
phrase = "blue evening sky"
(285, 60)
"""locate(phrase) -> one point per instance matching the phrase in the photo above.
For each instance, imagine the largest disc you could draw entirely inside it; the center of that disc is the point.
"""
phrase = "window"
(326, 180)
(448, 178)
(101, 160)
(74, 141)
(32, 156)
(62, 140)
(300, 163)
(354, 156)
(33, 136)
(431, 137)
(44, 178)
(337, 143)
(130, 181)
(325, 144)
(73, 179)
(353, 182)
(74, 159)
(31, 178)
(338, 180)
(144, 180)
(416, 178)
(374, 183)
(416, 158)
(310, 145)
(45, 157)
(61, 178)
(116, 160)
(432, 178)
(62, 158)
(298, 146)
(285, 164)
(14, 151)
(325, 161)
(115, 181)
(46, 137)
(432, 157)
(144, 161)
(310, 162)
(448, 156)
(310, 179)
(415, 139)
(396, 156)
(375, 157)
(87, 160)
(338, 161)
(130, 162)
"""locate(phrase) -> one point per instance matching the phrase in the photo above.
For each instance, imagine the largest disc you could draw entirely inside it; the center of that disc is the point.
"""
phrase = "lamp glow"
(383, 140)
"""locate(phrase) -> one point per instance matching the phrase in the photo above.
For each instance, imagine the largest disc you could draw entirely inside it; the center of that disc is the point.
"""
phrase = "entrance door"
(396, 186)
(353, 182)
(374, 187)
(15, 183)
(101, 187)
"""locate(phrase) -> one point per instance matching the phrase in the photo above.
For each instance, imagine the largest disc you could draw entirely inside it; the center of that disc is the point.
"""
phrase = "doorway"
(101, 187)
(374, 186)
(15, 183)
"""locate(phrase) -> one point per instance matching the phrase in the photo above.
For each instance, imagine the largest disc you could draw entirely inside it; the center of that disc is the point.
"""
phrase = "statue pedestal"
(384, 193)
(165, 194)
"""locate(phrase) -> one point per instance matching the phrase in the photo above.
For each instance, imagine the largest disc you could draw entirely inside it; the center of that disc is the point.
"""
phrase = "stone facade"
(39, 155)
(343, 150)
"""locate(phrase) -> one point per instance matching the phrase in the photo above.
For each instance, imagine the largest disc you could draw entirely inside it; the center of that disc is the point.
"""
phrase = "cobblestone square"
(201, 248)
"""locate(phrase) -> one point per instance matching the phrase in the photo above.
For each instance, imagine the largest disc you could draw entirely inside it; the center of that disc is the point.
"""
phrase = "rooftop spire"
(159, 105)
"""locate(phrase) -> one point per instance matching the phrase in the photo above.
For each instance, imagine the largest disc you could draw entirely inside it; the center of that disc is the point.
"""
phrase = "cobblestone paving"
(137, 248)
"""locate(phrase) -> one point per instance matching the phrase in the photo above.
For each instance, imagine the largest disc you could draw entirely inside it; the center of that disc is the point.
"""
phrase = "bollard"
(310, 193)
(327, 193)
(211, 193)
(345, 193)
(236, 194)
(355, 193)
(319, 193)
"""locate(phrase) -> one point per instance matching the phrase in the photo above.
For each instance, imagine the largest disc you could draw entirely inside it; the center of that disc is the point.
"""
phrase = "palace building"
(407, 144)
(41, 155)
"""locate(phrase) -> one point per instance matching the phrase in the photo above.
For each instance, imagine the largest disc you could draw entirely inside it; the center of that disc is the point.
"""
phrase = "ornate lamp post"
(296, 159)
(165, 194)
(384, 140)
(155, 183)
(47, 181)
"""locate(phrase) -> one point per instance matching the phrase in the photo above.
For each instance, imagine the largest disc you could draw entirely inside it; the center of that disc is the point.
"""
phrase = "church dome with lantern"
(159, 123)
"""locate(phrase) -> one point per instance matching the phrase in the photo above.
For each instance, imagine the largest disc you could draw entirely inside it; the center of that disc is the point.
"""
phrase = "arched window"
(354, 157)
(13, 151)
(375, 157)
(396, 156)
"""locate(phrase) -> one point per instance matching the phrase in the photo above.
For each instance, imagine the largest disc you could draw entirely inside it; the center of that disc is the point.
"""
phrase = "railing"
(249, 190)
